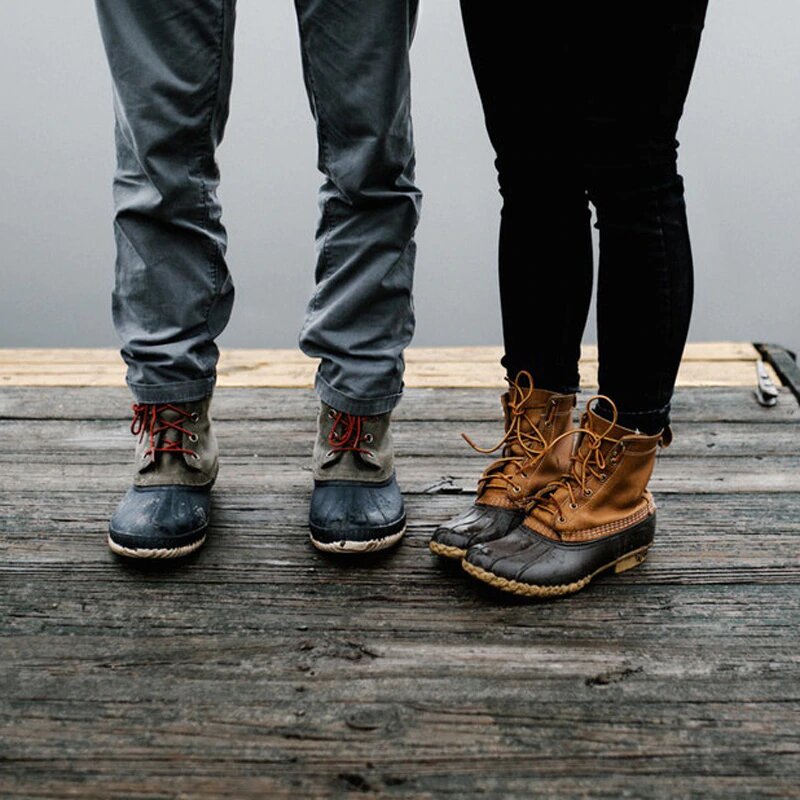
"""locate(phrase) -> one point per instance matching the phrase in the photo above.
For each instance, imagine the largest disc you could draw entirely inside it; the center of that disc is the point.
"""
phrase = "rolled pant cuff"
(355, 405)
(182, 392)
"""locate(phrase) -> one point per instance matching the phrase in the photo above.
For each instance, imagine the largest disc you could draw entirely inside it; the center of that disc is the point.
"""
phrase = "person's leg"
(545, 261)
(545, 251)
(599, 515)
(642, 61)
(171, 69)
(361, 318)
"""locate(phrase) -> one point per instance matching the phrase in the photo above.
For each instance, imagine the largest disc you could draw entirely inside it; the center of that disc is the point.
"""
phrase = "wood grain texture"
(262, 668)
(704, 364)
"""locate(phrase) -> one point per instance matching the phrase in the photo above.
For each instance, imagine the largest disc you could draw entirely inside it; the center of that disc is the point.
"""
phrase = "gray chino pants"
(171, 64)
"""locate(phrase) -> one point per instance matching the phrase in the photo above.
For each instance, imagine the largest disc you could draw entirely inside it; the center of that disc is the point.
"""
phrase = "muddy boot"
(167, 510)
(598, 516)
(356, 505)
(533, 419)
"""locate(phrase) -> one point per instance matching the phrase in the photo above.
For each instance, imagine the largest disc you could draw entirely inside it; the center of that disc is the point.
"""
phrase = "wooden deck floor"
(262, 669)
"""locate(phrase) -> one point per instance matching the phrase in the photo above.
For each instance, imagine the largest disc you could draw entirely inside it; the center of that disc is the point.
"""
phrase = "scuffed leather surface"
(629, 462)
(552, 415)
(345, 510)
(530, 558)
(479, 523)
(161, 516)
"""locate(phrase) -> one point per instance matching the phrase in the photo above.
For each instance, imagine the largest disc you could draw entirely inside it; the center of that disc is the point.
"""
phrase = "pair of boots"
(562, 504)
(356, 505)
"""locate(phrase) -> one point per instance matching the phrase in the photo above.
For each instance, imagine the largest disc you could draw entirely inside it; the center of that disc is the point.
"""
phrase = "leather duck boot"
(167, 510)
(356, 505)
(534, 419)
(598, 516)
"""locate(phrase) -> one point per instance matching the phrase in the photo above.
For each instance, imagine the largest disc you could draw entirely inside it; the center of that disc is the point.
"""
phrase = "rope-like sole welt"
(623, 563)
(347, 547)
(159, 552)
(446, 551)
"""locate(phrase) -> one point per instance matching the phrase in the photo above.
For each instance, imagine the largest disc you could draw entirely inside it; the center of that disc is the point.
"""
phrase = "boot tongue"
(532, 403)
(167, 415)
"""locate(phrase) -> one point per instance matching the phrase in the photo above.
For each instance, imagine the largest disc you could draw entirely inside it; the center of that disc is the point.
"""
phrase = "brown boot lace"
(501, 472)
(147, 419)
(587, 461)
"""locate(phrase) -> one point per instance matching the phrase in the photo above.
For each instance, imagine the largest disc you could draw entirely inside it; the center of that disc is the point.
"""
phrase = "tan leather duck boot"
(599, 515)
(534, 418)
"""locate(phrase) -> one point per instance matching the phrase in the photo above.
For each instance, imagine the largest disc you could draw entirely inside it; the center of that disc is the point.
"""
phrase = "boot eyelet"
(517, 490)
(193, 437)
(144, 456)
(587, 492)
(369, 438)
(195, 456)
(329, 454)
(562, 518)
(369, 455)
(195, 417)
(603, 477)
(573, 506)
(331, 414)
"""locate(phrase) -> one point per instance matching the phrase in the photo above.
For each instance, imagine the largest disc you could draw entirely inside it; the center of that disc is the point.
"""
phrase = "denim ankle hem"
(181, 392)
(355, 405)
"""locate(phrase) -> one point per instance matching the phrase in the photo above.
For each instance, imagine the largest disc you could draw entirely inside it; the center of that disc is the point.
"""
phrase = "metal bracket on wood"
(784, 362)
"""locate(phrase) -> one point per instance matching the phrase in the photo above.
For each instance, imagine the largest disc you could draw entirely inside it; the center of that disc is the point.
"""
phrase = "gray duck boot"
(356, 505)
(166, 512)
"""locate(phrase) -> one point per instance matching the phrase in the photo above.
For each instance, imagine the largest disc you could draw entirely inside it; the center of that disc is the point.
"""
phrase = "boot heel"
(631, 560)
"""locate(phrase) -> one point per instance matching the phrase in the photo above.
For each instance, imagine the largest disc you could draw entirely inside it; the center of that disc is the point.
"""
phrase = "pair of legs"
(171, 65)
(582, 110)
(604, 85)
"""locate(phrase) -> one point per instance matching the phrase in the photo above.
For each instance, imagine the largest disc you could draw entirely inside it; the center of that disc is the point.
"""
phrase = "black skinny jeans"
(603, 86)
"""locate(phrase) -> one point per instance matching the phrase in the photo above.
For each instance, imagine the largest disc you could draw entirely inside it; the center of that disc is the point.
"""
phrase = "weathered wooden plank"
(705, 364)
(260, 667)
(98, 471)
(268, 533)
(22, 356)
(267, 438)
(689, 405)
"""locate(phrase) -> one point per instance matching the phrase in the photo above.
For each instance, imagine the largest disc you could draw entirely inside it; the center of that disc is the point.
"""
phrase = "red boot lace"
(147, 419)
(346, 433)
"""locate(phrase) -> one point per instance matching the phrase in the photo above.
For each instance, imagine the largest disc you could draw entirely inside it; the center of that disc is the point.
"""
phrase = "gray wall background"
(739, 154)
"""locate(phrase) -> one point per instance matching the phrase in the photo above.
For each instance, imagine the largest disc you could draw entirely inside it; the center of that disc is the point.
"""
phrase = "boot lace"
(148, 420)
(586, 462)
(346, 433)
(531, 442)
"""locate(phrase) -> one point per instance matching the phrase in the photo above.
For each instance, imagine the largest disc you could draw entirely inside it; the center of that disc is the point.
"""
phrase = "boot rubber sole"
(622, 564)
(446, 551)
(349, 547)
(137, 552)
